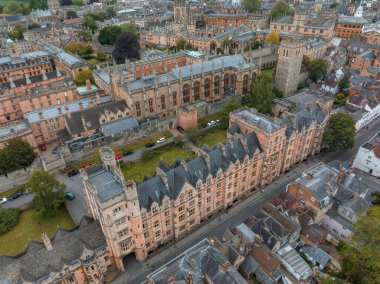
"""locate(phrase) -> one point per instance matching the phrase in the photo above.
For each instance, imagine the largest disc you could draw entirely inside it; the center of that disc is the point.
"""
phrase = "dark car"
(73, 173)
(69, 195)
(127, 152)
(55, 150)
(203, 125)
(180, 129)
(15, 195)
(150, 145)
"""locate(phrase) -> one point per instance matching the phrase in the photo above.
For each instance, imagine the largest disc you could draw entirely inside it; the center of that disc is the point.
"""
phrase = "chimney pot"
(88, 85)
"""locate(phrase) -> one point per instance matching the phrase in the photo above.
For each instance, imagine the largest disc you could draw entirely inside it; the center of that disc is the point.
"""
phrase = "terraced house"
(137, 218)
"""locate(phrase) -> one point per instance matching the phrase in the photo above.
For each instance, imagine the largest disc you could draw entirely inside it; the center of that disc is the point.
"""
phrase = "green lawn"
(146, 166)
(212, 137)
(269, 71)
(209, 118)
(92, 61)
(31, 227)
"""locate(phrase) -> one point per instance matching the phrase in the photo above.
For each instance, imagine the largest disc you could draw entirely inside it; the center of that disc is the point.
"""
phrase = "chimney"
(27, 79)
(68, 113)
(258, 239)
(46, 241)
(44, 77)
(84, 123)
(309, 175)
(58, 72)
(342, 171)
(224, 266)
(88, 85)
(189, 278)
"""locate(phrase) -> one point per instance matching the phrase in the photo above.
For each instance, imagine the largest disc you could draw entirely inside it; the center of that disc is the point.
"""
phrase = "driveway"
(19, 202)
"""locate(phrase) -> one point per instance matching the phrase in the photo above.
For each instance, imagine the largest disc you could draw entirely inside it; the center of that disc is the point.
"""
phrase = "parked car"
(118, 156)
(127, 152)
(3, 200)
(180, 129)
(203, 125)
(73, 173)
(87, 166)
(69, 195)
(150, 145)
(211, 123)
(15, 195)
(161, 140)
(55, 150)
(43, 147)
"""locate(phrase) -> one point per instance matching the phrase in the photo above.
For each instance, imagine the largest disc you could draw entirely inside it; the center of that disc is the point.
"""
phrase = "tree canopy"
(280, 9)
(318, 68)
(101, 56)
(251, 5)
(18, 32)
(49, 193)
(71, 14)
(9, 218)
(16, 155)
(361, 255)
(82, 76)
(14, 7)
(232, 105)
(262, 93)
(344, 83)
(79, 48)
(130, 27)
(126, 47)
(85, 35)
(340, 134)
(108, 35)
(272, 37)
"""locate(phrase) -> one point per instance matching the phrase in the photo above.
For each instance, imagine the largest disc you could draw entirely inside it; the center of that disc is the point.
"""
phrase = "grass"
(30, 227)
(147, 165)
(269, 71)
(209, 118)
(213, 137)
(92, 61)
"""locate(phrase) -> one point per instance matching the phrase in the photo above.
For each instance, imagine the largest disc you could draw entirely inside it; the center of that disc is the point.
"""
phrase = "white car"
(3, 200)
(161, 140)
(211, 123)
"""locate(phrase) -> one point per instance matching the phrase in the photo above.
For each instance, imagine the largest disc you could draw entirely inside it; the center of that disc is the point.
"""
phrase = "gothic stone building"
(137, 218)
(205, 81)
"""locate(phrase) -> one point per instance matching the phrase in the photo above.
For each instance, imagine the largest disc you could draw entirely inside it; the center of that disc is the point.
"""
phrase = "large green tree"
(344, 83)
(38, 4)
(340, 134)
(79, 48)
(9, 218)
(232, 105)
(280, 9)
(85, 35)
(82, 76)
(49, 193)
(16, 155)
(272, 37)
(262, 93)
(89, 22)
(130, 27)
(318, 68)
(251, 5)
(18, 32)
(108, 35)
(361, 255)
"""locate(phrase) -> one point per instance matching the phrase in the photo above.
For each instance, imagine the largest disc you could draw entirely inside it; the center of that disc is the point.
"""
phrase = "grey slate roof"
(119, 125)
(294, 263)
(107, 185)
(316, 255)
(335, 216)
(37, 262)
(261, 121)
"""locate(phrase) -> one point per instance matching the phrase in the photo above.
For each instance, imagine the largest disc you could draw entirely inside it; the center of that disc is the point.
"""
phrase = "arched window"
(174, 98)
(216, 85)
(207, 86)
(233, 81)
(245, 84)
(186, 93)
(150, 105)
(138, 109)
(226, 81)
(197, 88)
(163, 102)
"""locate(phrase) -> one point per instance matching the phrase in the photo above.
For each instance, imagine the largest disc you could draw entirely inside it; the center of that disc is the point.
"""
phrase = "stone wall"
(19, 177)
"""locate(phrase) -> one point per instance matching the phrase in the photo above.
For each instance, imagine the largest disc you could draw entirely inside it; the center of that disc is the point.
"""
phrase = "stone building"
(70, 256)
(347, 27)
(137, 218)
(371, 33)
(290, 54)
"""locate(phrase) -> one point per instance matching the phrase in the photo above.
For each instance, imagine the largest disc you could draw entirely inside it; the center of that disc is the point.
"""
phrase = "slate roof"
(259, 120)
(92, 116)
(316, 255)
(336, 217)
(200, 261)
(36, 262)
(119, 125)
(294, 263)
(107, 185)
(34, 79)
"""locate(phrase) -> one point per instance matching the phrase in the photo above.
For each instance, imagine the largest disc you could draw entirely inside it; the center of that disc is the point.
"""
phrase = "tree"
(34, 26)
(251, 5)
(272, 38)
(16, 155)
(78, 2)
(126, 47)
(89, 22)
(71, 15)
(38, 4)
(340, 99)
(79, 48)
(361, 255)
(318, 69)
(9, 218)
(344, 83)
(262, 93)
(181, 43)
(85, 35)
(226, 44)
(340, 134)
(18, 32)
(280, 9)
(49, 193)
(110, 13)
(82, 76)
(232, 105)
(108, 35)
(130, 27)
(101, 56)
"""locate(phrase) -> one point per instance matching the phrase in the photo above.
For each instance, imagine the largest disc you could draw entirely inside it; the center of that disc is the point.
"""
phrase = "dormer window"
(182, 198)
(154, 209)
(143, 214)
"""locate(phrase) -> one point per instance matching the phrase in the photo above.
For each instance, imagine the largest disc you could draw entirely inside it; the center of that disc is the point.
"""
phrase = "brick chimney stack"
(341, 174)
(224, 267)
(88, 85)
(47, 241)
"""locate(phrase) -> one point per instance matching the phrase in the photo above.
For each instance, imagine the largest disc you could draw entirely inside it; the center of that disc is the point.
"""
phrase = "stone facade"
(136, 218)
(289, 65)
(347, 27)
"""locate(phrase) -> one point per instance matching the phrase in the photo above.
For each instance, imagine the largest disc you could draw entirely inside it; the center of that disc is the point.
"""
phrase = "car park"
(150, 145)
(161, 140)
(118, 156)
(73, 173)
(15, 195)
(180, 129)
(127, 152)
(3, 200)
(69, 195)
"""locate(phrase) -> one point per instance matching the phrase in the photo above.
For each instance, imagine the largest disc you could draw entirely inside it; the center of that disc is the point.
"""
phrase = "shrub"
(9, 218)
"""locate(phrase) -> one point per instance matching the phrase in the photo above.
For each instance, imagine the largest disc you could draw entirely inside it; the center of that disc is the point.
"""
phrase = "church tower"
(181, 13)
(290, 55)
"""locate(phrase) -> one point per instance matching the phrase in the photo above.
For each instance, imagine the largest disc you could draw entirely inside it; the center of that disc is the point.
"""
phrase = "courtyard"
(30, 227)
(212, 137)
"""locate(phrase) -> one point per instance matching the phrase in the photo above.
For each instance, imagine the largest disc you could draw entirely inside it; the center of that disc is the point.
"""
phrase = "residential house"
(316, 255)
(368, 157)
